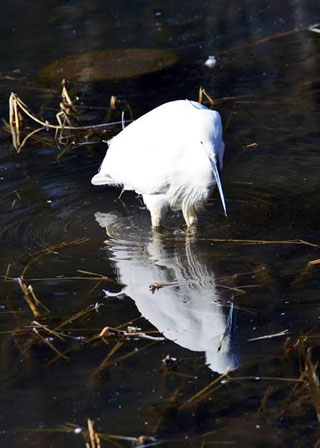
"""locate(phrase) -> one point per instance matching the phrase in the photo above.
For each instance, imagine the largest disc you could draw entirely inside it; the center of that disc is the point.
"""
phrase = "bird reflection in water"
(192, 312)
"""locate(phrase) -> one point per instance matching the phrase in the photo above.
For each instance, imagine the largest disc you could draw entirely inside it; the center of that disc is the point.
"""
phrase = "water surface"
(218, 295)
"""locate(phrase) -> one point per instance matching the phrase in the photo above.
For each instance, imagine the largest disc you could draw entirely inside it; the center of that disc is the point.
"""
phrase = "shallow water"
(217, 294)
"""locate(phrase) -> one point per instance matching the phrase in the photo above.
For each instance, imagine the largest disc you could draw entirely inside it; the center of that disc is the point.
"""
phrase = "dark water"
(218, 295)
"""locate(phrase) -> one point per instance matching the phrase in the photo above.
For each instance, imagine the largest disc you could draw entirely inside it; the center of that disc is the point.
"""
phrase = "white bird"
(171, 156)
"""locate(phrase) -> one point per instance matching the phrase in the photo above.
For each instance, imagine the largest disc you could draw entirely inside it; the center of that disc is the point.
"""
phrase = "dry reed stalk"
(49, 331)
(46, 341)
(269, 391)
(101, 276)
(199, 394)
(277, 36)
(28, 298)
(67, 102)
(75, 317)
(253, 242)
(296, 381)
(48, 250)
(270, 336)
(313, 383)
(202, 93)
(17, 107)
(94, 287)
(227, 124)
(41, 279)
(36, 300)
(14, 122)
(31, 134)
(107, 362)
(119, 327)
(157, 285)
(130, 332)
(5, 278)
(170, 408)
(94, 440)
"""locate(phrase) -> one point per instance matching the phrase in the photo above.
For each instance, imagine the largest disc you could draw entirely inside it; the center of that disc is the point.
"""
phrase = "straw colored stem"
(53, 126)
(202, 391)
(28, 298)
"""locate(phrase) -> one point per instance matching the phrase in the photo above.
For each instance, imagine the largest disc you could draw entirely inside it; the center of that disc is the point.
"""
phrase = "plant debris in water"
(69, 133)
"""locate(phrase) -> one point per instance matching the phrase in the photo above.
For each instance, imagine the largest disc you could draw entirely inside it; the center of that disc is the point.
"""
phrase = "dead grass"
(66, 133)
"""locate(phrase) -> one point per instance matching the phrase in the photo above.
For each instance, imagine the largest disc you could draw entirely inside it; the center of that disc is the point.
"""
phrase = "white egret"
(171, 156)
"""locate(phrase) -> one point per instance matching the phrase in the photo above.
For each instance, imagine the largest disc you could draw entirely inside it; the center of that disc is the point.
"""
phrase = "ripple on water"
(43, 202)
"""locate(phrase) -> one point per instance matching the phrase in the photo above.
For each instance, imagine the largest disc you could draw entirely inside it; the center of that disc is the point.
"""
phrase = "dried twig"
(269, 336)
(17, 106)
(200, 394)
(256, 242)
(48, 250)
(28, 298)
(94, 440)
(202, 93)
(46, 341)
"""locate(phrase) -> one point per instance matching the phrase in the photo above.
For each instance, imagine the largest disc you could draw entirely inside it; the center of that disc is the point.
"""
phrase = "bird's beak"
(219, 184)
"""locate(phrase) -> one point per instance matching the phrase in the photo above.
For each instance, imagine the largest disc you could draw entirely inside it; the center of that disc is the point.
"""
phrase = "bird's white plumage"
(166, 156)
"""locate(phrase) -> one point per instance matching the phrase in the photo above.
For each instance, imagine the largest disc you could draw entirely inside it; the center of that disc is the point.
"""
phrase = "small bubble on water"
(79, 338)
(49, 339)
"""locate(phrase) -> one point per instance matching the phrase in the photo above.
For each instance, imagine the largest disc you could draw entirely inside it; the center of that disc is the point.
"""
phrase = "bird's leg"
(158, 208)
(156, 219)
(190, 217)
(120, 195)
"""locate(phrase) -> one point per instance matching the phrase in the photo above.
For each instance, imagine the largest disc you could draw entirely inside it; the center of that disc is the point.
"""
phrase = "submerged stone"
(107, 65)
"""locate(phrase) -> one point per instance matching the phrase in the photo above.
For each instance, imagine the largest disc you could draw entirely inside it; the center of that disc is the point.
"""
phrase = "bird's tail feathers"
(103, 179)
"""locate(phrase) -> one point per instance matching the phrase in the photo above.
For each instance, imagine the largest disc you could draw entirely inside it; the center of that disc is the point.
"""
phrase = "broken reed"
(18, 110)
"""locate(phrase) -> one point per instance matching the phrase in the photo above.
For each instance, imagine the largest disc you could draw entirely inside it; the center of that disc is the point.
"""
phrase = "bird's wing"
(145, 155)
